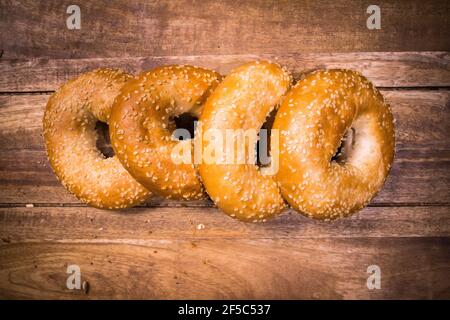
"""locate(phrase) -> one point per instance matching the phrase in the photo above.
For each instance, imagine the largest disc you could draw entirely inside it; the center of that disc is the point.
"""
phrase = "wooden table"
(157, 250)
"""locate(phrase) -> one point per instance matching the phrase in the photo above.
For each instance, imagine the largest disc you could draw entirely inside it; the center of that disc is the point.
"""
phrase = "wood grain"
(385, 69)
(159, 223)
(228, 268)
(187, 27)
(420, 175)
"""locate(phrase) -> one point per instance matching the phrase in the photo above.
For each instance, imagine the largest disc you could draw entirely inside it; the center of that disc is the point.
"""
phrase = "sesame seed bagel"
(318, 113)
(142, 125)
(70, 139)
(242, 100)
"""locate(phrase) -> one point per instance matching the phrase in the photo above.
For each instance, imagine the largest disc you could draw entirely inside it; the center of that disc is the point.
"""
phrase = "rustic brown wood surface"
(174, 249)
(310, 268)
(393, 69)
(422, 127)
(188, 27)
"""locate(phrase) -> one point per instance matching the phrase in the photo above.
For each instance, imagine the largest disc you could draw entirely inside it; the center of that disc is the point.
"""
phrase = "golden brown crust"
(316, 115)
(142, 127)
(243, 100)
(70, 138)
(313, 119)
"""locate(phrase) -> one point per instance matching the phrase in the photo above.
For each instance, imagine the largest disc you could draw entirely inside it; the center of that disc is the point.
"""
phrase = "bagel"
(316, 114)
(142, 127)
(70, 139)
(242, 100)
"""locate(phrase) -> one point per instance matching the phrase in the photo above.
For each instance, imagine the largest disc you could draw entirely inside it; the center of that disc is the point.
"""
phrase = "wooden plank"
(417, 178)
(420, 174)
(186, 27)
(78, 223)
(385, 69)
(422, 119)
(412, 268)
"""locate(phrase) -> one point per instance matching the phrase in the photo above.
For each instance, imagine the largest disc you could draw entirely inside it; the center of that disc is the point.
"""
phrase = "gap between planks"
(386, 89)
(206, 204)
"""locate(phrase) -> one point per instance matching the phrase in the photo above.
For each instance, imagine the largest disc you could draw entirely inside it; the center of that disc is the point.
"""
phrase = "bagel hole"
(187, 122)
(103, 142)
(262, 148)
(347, 143)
